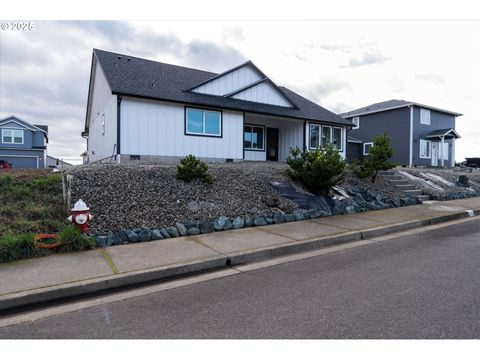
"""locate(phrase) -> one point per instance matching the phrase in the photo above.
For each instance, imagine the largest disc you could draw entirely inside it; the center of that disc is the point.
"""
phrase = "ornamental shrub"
(192, 168)
(318, 170)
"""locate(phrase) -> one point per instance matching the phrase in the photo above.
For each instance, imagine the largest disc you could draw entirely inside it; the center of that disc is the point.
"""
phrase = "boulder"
(238, 223)
(117, 239)
(289, 217)
(350, 209)
(222, 223)
(193, 231)
(137, 230)
(101, 240)
(298, 215)
(132, 236)
(248, 222)
(189, 224)
(182, 230)
(278, 217)
(156, 235)
(206, 227)
(172, 231)
(144, 235)
(164, 233)
(259, 221)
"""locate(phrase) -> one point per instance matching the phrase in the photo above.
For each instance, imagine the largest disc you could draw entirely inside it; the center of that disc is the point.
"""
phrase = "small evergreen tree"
(192, 168)
(378, 158)
(318, 170)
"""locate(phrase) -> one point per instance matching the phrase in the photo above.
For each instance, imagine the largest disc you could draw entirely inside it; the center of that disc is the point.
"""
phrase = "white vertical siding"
(158, 129)
(104, 104)
(263, 93)
(230, 82)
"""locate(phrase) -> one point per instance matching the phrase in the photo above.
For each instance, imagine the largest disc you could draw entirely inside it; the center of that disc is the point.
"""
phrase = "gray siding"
(438, 120)
(23, 159)
(354, 151)
(397, 125)
(27, 138)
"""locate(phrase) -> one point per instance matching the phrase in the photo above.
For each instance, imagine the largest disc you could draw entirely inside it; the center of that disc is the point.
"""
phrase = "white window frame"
(356, 125)
(310, 136)
(341, 137)
(13, 136)
(321, 137)
(364, 145)
(251, 131)
(425, 115)
(428, 143)
(203, 133)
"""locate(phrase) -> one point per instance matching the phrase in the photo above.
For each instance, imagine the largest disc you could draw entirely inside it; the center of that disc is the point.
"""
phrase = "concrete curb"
(38, 297)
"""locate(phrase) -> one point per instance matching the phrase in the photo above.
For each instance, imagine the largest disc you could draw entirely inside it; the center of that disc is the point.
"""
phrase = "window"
(326, 135)
(253, 137)
(10, 136)
(203, 122)
(425, 116)
(425, 149)
(314, 136)
(356, 122)
(366, 148)
(337, 138)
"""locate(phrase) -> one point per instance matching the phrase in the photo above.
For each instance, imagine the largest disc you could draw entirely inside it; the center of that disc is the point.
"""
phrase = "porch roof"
(445, 133)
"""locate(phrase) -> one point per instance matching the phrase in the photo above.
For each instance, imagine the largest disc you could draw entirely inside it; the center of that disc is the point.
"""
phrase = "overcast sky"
(342, 65)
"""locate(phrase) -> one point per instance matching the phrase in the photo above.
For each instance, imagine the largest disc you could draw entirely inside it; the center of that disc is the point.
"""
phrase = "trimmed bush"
(75, 240)
(378, 158)
(318, 170)
(192, 168)
(16, 247)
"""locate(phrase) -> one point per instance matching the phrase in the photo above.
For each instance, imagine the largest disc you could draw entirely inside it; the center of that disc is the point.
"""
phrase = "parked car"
(5, 165)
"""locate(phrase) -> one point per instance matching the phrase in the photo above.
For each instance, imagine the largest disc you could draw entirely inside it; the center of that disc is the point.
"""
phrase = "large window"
(253, 137)
(320, 136)
(425, 149)
(10, 136)
(425, 116)
(203, 122)
(314, 136)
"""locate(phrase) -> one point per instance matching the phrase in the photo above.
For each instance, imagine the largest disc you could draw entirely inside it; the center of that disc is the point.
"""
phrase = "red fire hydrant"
(80, 216)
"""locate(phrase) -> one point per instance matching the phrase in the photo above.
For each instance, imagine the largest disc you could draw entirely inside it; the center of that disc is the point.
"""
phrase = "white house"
(139, 109)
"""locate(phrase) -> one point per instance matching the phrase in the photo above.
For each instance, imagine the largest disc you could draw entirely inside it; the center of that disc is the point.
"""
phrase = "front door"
(272, 144)
(435, 149)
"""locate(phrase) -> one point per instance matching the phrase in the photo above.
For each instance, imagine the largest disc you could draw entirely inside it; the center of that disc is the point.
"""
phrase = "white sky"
(342, 65)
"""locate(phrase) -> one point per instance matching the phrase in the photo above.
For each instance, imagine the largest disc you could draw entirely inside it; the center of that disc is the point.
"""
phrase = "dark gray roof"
(390, 105)
(444, 132)
(43, 127)
(128, 75)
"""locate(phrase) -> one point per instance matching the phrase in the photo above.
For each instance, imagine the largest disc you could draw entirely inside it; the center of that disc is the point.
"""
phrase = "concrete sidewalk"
(65, 275)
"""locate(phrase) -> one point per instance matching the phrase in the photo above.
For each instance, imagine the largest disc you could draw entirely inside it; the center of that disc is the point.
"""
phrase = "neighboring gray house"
(22, 144)
(55, 163)
(421, 135)
(139, 109)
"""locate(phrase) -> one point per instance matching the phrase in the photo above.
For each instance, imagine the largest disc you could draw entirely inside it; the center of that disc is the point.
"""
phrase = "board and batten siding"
(157, 128)
(230, 82)
(104, 105)
(290, 134)
(263, 93)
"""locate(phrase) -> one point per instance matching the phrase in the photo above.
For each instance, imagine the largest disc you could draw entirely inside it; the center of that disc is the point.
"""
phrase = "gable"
(263, 92)
(245, 82)
(13, 122)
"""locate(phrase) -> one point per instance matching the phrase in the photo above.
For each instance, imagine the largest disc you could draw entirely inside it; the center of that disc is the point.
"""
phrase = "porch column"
(441, 151)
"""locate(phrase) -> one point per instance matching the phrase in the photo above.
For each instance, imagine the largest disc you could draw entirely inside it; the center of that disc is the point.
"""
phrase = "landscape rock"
(271, 201)
(182, 230)
(350, 209)
(122, 236)
(137, 230)
(101, 240)
(164, 233)
(131, 235)
(193, 231)
(298, 215)
(117, 240)
(172, 231)
(189, 224)
(278, 218)
(156, 235)
(222, 223)
(269, 219)
(248, 222)
(289, 217)
(206, 227)
(238, 223)
(144, 235)
(259, 221)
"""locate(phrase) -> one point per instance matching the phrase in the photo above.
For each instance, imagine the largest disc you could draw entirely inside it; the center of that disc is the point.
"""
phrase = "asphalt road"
(419, 286)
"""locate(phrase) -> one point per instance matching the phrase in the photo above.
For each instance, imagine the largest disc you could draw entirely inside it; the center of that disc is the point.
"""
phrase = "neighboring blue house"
(22, 144)
(421, 135)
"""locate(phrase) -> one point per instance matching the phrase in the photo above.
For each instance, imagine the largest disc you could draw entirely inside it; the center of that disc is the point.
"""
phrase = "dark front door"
(272, 144)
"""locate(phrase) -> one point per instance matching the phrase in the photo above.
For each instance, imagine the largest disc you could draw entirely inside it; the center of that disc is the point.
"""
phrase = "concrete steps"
(403, 184)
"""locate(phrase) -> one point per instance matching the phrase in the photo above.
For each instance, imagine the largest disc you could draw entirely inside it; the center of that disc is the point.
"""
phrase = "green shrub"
(16, 247)
(318, 170)
(378, 158)
(74, 240)
(192, 168)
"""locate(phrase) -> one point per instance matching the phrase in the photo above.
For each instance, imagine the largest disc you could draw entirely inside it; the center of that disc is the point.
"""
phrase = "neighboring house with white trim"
(145, 110)
(23, 144)
(421, 135)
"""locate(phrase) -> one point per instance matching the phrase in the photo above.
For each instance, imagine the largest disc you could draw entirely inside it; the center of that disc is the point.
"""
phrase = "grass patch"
(17, 247)
(31, 202)
(75, 240)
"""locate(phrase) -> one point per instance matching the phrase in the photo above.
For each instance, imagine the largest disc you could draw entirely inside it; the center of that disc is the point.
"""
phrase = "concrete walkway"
(116, 266)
